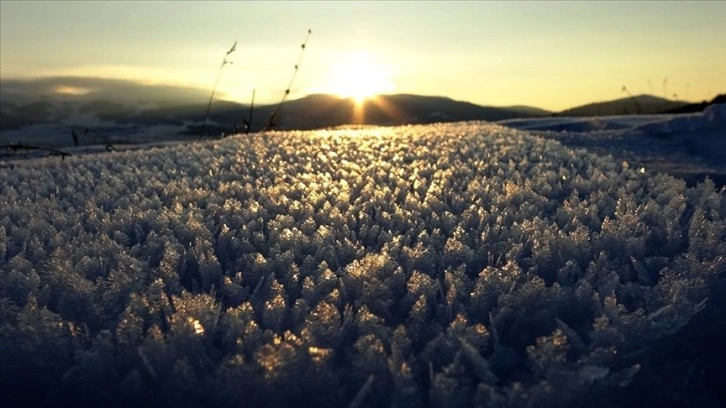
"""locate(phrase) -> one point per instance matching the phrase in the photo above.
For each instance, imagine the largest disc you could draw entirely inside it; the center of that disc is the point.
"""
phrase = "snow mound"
(579, 124)
(687, 142)
(712, 118)
(443, 265)
(703, 134)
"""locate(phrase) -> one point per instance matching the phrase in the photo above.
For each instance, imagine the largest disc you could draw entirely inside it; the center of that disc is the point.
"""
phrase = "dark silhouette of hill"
(62, 100)
(527, 110)
(125, 105)
(324, 111)
(638, 105)
(321, 111)
(121, 107)
(698, 107)
(74, 89)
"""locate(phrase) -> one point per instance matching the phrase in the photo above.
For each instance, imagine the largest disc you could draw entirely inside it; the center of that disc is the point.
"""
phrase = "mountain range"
(99, 110)
(632, 105)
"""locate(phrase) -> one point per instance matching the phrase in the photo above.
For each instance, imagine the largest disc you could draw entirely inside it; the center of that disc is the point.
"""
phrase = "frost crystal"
(441, 265)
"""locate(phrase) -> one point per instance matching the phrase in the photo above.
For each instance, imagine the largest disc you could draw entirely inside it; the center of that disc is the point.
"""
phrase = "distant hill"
(527, 110)
(107, 109)
(73, 88)
(324, 111)
(130, 111)
(320, 111)
(698, 107)
(640, 104)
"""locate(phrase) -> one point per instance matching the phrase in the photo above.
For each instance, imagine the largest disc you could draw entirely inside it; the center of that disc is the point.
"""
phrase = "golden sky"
(553, 55)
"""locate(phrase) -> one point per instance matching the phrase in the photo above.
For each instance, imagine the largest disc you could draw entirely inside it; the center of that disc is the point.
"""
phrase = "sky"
(553, 55)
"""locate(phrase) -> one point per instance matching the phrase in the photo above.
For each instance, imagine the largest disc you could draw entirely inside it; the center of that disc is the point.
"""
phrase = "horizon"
(96, 87)
(555, 55)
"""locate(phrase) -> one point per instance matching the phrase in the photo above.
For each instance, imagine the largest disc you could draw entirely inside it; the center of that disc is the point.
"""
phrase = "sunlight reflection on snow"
(198, 328)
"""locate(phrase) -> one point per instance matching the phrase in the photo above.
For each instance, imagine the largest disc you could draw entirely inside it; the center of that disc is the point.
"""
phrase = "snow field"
(439, 265)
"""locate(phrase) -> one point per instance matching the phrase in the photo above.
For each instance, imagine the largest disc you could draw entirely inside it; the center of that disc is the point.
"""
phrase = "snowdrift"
(441, 265)
(702, 134)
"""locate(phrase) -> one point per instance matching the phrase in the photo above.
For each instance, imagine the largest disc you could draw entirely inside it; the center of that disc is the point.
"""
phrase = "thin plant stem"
(214, 88)
(248, 122)
(20, 146)
(271, 122)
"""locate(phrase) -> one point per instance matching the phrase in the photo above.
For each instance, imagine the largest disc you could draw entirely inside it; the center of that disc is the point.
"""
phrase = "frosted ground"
(689, 146)
(464, 264)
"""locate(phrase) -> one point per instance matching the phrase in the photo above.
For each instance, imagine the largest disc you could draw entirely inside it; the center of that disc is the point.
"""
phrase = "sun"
(360, 76)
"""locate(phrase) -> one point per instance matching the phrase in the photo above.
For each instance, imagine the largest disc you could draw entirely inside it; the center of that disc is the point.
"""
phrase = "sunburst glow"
(361, 76)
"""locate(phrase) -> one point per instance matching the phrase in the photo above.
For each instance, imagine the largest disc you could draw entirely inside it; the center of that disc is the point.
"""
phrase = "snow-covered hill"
(463, 264)
(689, 146)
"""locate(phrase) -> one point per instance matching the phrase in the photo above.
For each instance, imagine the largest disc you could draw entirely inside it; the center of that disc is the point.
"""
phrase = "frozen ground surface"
(449, 265)
(689, 146)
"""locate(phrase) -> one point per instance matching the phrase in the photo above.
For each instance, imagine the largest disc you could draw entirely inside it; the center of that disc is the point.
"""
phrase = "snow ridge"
(440, 265)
